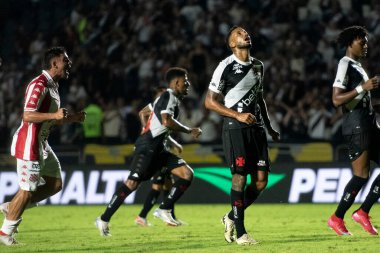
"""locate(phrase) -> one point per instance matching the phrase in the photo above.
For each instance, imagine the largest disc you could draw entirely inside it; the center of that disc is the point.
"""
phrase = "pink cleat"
(337, 224)
(364, 220)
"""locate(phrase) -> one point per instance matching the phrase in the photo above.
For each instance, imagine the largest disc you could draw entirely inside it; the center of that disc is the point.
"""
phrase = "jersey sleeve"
(217, 83)
(258, 69)
(34, 96)
(165, 104)
(341, 75)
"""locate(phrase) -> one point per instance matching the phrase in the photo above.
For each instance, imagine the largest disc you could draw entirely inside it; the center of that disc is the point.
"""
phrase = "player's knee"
(260, 185)
(156, 187)
(57, 187)
(26, 195)
(131, 184)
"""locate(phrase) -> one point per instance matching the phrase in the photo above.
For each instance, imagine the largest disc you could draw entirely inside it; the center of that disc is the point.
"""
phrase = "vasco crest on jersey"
(237, 68)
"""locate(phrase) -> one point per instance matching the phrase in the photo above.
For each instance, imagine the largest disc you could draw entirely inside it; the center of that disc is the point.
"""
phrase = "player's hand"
(61, 113)
(247, 118)
(372, 83)
(275, 135)
(79, 116)
(196, 132)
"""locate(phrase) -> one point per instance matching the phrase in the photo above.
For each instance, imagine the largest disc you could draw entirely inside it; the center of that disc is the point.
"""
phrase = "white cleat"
(246, 239)
(7, 239)
(103, 227)
(165, 216)
(229, 228)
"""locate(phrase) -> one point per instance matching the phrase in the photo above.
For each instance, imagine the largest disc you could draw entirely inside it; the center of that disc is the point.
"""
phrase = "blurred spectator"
(92, 126)
(112, 123)
(120, 48)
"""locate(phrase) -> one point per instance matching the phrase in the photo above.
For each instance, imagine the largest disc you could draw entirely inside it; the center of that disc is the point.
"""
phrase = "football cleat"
(103, 227)
(7, 239)
(143, 222)
(337, 224)
(364, 220)
(246, 239)
(165, 216)
(229, 228)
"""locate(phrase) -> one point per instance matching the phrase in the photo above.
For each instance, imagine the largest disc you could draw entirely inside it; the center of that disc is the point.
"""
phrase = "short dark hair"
(349, 34)
(229, 35)
(50, 54)
(174, 72)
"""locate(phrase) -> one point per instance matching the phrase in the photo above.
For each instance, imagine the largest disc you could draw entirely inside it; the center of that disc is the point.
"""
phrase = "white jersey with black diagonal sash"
(358, 113)
(240, 83)
(166, 103)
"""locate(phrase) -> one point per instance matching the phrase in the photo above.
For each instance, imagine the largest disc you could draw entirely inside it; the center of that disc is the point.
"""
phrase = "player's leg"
(360, 167)
(140, 171)
(29, 177)
(361, 215)
(151, 199)
(259, 180)
(184, 177)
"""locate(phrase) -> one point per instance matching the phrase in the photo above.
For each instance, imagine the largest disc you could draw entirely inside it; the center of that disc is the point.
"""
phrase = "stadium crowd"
(122, 49)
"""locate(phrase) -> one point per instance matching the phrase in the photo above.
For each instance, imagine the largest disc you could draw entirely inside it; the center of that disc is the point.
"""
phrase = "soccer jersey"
(240, 83)
(166, 103)
(41, 96)
(358, 113)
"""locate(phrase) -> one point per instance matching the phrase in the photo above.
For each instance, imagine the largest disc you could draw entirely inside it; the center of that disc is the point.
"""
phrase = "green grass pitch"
(278, 227)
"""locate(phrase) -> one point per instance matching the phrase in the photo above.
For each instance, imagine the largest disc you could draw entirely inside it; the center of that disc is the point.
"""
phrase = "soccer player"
(238, 80)
(38, 168)
(150, 154)
(351, 91)
(162, 180)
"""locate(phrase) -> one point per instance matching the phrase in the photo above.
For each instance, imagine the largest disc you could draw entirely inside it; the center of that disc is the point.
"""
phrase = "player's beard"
(244, 46)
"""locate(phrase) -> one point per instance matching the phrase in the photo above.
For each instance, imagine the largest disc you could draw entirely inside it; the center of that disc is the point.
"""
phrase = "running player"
(38, 168)
(351, 91)
(239, 80)
(162, 180)
(150, 154)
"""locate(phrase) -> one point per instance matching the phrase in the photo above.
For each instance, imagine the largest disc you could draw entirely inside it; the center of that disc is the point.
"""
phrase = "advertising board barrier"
(288, 183)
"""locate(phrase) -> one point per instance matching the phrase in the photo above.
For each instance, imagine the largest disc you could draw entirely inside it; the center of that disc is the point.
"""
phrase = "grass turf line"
(279, 228)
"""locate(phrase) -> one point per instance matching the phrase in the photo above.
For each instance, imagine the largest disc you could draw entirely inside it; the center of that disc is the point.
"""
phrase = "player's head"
(355, 39)
(57, 62)
(238, 38)
(177, 79)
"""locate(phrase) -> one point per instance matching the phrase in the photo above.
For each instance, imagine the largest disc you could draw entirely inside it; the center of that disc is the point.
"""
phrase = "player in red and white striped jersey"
(38, 168)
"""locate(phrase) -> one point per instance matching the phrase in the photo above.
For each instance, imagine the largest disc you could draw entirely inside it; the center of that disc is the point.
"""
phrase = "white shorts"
(30, 172)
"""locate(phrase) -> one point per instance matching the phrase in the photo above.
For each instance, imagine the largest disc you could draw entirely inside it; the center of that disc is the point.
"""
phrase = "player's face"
(183, 85)
(359, 47)
(63, 64)
(240, 38)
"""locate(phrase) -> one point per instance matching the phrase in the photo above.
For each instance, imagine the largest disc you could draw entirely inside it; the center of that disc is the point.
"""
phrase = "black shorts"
(147, 161)
(246, 150)
(364, 140)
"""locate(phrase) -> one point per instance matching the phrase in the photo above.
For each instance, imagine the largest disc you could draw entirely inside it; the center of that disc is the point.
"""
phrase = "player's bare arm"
(174, 145)
(144, 114)
(38, 117)
(264, 113)
(175, 125)
(213, 103)
(341, 96)
(76, 117)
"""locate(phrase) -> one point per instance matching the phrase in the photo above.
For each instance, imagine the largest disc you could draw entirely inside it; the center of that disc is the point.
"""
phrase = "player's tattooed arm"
(213, 103)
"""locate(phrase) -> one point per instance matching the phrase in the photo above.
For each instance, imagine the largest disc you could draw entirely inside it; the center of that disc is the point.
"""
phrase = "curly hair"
(349, 34)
